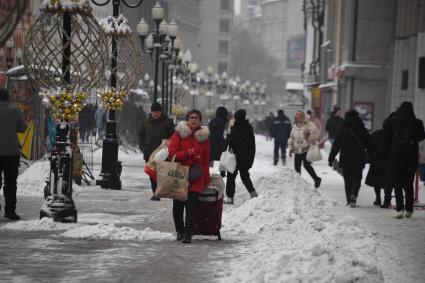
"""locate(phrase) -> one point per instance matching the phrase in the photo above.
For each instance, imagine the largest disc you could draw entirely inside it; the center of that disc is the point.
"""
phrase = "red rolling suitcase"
(210, 209)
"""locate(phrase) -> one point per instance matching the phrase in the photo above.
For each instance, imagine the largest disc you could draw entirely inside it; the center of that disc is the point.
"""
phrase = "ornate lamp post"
(125, 70)
(10, 44)
(10, 14)
(65, 57)
(154, 40)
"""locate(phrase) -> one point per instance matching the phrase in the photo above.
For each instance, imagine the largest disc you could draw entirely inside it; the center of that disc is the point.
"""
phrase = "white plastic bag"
(313, 153)
(228, 161)
(161, 155)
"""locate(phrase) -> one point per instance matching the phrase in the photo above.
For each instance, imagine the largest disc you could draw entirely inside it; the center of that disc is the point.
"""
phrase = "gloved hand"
(223, 174)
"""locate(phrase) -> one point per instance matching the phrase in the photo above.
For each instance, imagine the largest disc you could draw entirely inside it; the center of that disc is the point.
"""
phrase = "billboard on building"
(295, 52)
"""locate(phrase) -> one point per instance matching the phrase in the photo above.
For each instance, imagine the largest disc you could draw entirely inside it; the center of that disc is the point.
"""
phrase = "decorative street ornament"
(126, 68)
(10, 14)
(65, 56)
(56, 58)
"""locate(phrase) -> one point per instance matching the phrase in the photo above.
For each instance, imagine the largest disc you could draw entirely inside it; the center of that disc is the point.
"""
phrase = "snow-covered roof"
(294, 86)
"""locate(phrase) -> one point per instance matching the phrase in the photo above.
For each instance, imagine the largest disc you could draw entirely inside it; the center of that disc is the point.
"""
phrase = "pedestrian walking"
(217, 141)
(100, 118)
(155, 128)
(280, 131)
(352, 142)
(405, 131)
(11, 123)
(377, 176)
(241, 141)
(334, 123)
(190, 145)
(268, 121)
(303, 135)
(311, 116)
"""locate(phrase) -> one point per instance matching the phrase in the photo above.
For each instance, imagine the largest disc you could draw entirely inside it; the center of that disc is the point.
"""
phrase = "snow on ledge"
(115, 26)
(66, 6)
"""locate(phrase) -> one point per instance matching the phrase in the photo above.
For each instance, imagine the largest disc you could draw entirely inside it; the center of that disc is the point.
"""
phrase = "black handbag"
(195, 172)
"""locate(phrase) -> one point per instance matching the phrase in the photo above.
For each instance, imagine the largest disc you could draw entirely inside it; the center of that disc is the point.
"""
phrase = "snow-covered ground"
(291, 233)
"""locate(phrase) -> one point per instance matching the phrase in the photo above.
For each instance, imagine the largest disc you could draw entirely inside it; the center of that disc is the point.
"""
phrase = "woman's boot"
(187, 236)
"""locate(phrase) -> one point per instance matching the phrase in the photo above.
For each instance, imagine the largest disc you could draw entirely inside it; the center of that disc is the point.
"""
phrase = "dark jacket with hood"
(352, 141)
(281, 128)
(242, 141)
(217, 127)
(334, 125)
(152, 132)
(404, 132)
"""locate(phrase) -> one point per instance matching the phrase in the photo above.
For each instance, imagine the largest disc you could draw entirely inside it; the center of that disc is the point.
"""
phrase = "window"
(223, 47)
(224, 25)
(404, 79)
(225, 5)
(421, 73)
(221, 67)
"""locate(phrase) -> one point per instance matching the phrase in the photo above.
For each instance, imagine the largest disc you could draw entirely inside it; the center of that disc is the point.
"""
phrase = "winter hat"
(406, 108)
(240, 114)
(351, 114)
(156, 107)
(221, 113)
(280, 112)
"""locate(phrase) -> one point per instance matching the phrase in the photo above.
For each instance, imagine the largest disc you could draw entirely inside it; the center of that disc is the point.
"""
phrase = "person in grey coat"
(11, 122)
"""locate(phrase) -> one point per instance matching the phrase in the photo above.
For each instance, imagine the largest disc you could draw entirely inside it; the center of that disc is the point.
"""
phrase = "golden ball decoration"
(66, 105)
(112, 99)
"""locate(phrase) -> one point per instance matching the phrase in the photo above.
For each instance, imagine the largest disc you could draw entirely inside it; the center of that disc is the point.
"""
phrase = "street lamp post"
(10, 44)
(111, 167)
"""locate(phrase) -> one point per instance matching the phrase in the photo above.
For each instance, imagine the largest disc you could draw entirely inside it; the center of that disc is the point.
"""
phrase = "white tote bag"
(228, 161)
(313, 153)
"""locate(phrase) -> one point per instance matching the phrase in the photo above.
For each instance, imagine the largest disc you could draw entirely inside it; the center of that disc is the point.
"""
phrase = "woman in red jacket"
(191, 146)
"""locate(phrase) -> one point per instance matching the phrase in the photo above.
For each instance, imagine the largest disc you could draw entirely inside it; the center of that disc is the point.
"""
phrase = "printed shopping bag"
(172, 180)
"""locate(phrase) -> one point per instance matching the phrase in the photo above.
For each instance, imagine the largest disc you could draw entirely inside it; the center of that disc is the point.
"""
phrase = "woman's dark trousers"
(403, 180)
(352, 181)
(231, 182)
(301, 158)
(9, 166)
(192, 207)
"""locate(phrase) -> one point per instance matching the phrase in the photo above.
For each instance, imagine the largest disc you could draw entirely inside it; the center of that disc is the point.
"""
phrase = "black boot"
(179, 235)
(12, 216)
(187, 236)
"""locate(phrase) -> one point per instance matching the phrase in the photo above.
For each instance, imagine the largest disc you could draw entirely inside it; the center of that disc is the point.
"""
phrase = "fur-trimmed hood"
(201, 135)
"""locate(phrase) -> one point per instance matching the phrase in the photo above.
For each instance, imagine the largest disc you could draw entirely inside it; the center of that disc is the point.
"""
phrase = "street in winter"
(291, 232)
(212, 141)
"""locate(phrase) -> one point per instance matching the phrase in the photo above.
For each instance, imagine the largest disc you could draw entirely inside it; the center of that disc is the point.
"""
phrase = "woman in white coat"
(303, 135)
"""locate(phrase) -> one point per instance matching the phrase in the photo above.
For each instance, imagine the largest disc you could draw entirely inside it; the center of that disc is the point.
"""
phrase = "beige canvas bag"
(172, 180)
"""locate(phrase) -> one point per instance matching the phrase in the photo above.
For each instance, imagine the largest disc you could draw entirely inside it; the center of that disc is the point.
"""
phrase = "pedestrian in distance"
(190, 145)
(217, 127)
(311, 116)
(303, 135)
(155, 128)
(241, 141)
(281, 130)
(405, 131)
(100, 118)
(334, 123)
(11, 123)
(268, 123)
(352, 142)
(377, 176)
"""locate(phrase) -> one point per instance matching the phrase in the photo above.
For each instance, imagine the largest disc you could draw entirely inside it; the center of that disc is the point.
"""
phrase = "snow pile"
(33, 180)
(66, 5)
(115, 26)
(44, 224)
(294, 239)
(110, 232)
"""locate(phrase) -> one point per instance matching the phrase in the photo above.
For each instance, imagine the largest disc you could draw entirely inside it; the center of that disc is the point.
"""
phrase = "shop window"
(421, 73)
(405, 79)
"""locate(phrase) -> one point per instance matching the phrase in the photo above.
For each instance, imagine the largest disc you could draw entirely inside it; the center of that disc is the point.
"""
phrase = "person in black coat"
(353, 143)
(217, 141)
(281, 130)
(334, 124)
(377, 176)
(405, 131)
(241, 140)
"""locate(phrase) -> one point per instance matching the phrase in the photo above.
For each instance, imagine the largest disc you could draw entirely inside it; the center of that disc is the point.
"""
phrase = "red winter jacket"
(184, 139)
